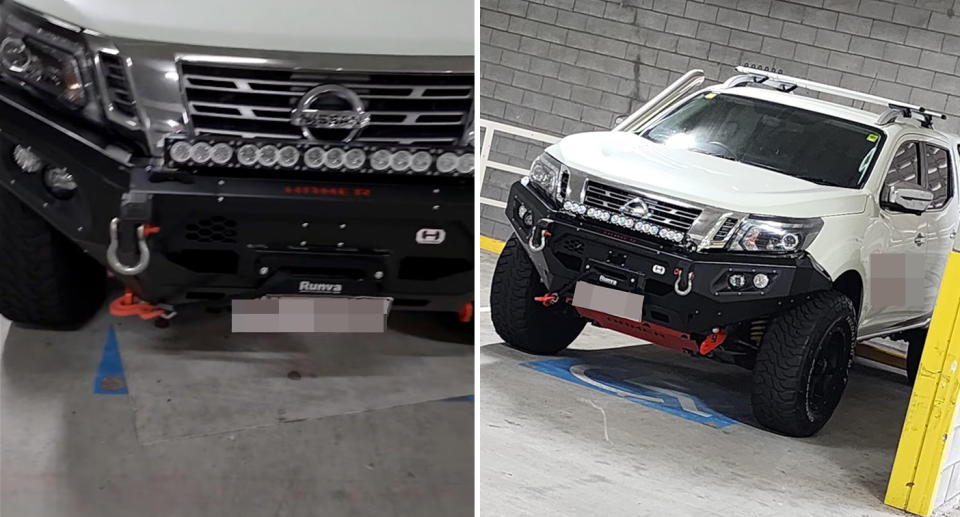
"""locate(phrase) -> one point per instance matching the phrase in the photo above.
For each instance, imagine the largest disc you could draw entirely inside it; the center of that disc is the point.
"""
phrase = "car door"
(939, 176)
(894, 247)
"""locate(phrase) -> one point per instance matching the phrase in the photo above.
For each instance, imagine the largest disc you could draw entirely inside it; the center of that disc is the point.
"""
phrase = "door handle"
(919, 239)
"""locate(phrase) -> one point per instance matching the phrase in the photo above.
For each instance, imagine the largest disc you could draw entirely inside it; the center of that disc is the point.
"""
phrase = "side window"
(938, 173)
(905, 165)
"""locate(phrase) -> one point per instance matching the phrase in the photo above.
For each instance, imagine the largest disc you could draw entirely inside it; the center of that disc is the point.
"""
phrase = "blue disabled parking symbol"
(619, 381)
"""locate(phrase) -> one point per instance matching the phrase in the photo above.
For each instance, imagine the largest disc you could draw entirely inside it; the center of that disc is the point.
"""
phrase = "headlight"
(50, 60)
(772, 235)
(547, 173)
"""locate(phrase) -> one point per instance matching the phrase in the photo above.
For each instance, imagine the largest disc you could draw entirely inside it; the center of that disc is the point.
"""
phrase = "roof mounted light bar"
(786, 83)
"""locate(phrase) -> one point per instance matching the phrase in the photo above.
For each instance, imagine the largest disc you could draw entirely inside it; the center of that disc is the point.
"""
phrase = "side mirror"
(906, 197)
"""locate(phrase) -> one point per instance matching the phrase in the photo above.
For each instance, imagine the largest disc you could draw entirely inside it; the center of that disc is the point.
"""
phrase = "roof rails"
(786, 83)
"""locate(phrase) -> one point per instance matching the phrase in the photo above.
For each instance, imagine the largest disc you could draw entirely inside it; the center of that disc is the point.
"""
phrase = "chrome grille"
(405, 108)
(115, 80)
(666, 214)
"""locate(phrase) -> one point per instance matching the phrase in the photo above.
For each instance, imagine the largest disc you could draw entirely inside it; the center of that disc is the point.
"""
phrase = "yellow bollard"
(932, 414)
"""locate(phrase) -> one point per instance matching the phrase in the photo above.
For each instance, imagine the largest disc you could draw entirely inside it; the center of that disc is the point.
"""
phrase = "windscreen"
(793, 141)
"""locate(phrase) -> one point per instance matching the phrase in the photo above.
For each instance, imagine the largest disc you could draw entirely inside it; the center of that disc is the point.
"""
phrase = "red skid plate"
(656, 334)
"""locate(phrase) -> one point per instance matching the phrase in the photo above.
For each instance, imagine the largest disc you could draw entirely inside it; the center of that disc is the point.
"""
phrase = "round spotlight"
(737, 281)
(354, 159)
(27, 160)
(761, 281)
(289, 156)
(380, 160)
(421, 161)
(334, 158)
(314, 157)
(248, 155)
(465, 163)
(269, 154)
(59, 182)
(447, 162)
(200, 152)
(401, 160)
(221, 153)
(180, 152)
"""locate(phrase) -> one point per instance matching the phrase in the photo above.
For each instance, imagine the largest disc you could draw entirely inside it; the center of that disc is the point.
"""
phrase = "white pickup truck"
(206, 151)
(742, 222)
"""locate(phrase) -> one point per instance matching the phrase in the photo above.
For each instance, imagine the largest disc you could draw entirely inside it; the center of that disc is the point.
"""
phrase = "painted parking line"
(110, 379)
(621, 382)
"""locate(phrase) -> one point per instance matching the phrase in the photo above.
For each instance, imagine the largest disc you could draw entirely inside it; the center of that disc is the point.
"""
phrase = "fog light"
(221, 154)
(60, 182)
(288, 156)
(269, 154)
(737, 281)
(248, 155)
(334, 158)
(380, 160)
(465, 163)
(421, 161)
(761, 281)
(200, 152)
(401, 161)
(26, 159)
(180, 152)
(314, 157)
(354, 159)
(447, 162)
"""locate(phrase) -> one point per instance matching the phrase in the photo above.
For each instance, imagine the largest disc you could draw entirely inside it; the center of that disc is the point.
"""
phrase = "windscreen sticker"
(873, 137)
(710, 95)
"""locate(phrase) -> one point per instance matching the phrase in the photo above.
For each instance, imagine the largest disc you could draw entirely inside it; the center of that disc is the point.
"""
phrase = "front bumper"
(584, 250)
(223, 238)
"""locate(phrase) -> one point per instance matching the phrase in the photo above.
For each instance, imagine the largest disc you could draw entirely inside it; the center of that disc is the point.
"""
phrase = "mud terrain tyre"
(45, 280)
(522, 322)
(803, 364)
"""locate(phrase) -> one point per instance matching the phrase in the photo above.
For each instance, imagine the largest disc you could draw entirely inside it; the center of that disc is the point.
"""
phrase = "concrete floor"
(552, 446)
(218, 424)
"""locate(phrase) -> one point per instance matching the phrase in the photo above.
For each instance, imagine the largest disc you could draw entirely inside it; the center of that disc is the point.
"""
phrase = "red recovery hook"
(129, 305)
(713, 341)
(547, 299)
(465, 314)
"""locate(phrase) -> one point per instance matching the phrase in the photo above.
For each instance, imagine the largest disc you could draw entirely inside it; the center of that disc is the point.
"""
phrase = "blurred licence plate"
(607, 300)
(311, 314)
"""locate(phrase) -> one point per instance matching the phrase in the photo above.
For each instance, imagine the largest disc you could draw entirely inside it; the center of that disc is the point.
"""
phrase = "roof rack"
(787, 84)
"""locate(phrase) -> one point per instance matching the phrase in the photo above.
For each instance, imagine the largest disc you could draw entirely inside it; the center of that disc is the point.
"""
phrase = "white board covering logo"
(311, 287)
(431, 236)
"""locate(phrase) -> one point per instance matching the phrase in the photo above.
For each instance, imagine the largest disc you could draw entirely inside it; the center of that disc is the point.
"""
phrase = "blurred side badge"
(310, 314)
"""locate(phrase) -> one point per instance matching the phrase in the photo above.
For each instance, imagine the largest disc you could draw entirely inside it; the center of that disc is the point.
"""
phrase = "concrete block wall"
(565, 66)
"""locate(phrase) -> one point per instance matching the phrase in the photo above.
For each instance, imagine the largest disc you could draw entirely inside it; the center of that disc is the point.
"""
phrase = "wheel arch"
(850, 283)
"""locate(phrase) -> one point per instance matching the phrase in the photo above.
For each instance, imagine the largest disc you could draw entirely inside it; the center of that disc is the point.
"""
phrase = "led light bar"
(630, 223)
(183, 153)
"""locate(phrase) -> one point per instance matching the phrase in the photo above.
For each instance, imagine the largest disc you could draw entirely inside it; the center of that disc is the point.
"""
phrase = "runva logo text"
(310, 287)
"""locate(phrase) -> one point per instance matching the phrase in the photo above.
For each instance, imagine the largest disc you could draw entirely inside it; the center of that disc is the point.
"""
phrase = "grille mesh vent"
(118, 88)
(215, 229)
(725, 229)
(405, 108)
